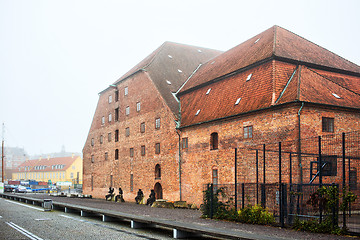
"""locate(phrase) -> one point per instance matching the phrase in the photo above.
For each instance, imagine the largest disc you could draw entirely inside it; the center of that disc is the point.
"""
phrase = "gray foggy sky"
(55, 56)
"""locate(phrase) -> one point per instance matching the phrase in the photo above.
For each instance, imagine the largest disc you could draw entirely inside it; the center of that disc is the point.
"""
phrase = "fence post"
(211, 200)
(236, 179)
(320, 178)
(263, 197)
(264, 179)
(344, 177)
(282, 204)
(280, 191)
(243, 195)
(335, 207)
(257, 176)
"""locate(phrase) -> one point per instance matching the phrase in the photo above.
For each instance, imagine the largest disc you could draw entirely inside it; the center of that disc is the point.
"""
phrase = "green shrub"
(255, 215)
(313, 225)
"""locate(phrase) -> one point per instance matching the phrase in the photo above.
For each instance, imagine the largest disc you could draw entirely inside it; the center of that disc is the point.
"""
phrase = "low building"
(62, 169)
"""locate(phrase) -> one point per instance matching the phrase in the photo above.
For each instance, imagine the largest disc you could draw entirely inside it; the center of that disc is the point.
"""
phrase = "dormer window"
(249, 77)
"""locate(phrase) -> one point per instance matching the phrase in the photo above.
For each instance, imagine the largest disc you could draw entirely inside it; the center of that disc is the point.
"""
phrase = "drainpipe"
(178, 122)
(299, 143)
(177, 131)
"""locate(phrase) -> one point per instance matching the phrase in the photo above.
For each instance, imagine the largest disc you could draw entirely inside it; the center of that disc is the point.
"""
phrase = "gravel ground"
(188, 216)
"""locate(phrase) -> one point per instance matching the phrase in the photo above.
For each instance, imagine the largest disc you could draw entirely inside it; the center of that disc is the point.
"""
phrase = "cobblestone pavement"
(188, 216)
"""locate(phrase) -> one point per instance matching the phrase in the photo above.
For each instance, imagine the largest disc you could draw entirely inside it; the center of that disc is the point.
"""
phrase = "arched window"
(214, 141)
(116, 154)
(157, 171)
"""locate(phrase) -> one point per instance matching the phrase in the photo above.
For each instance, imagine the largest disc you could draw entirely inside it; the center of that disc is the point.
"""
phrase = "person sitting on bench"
(120, 196)
(151, 198)
(110, 195)
(139, 197)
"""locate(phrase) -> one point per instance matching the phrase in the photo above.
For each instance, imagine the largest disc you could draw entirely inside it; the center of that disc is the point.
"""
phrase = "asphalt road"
(25, 221)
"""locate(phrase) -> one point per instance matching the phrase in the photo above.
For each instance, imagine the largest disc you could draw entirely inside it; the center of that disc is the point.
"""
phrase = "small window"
(143, 150)
(106, 156)
(138, 106)
(238, 101)
(110, 117)
(197, 112)
(127, 110)
(127, 131)
(92, 160)
(157, 171)
(116, 154)
(215, 178)
(131, 182)
(157, 123)
(103, 120)
(116, 135)
(109, 137)
(330, 168)
(248, 132)
(116, 114)
(327, 124)
(214, 141)
(142, 127)
(208, 91)
(185, 143)
(110, 98)
(126, 91)
(101, 139)
(92, 142)
(131, 152)
(116, 95)
(157, 148)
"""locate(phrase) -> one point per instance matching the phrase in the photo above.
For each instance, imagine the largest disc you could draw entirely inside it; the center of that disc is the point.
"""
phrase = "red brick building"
(276, 86)
(133, 141)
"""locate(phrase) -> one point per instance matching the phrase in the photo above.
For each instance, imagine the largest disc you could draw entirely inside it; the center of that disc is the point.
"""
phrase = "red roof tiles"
(272, 83)
(48, 163)
(277, 43)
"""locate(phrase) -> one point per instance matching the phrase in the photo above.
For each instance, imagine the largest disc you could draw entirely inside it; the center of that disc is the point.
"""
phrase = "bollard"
(47, 204)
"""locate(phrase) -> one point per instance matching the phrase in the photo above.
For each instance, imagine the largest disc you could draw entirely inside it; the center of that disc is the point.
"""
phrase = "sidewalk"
(193, 217)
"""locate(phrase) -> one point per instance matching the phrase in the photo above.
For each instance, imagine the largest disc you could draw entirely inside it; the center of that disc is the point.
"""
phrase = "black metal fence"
(283, 176)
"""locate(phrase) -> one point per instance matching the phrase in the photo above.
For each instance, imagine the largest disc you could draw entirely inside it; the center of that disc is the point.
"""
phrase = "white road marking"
(23, 231)
(25, 205)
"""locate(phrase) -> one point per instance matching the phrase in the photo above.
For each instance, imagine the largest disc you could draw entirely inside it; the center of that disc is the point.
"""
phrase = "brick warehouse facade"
(263, 90)
(133, 141)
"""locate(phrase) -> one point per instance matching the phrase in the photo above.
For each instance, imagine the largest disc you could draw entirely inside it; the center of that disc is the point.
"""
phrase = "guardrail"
(179, 229)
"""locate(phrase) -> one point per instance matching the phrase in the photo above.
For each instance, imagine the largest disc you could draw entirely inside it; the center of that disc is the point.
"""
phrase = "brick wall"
(140, 89)
(271, 126)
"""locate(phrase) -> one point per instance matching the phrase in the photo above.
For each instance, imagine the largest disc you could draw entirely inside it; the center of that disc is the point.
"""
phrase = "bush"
(315, 226)
(255, 215)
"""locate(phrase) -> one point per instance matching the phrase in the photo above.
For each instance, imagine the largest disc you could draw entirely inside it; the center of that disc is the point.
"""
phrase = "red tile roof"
(272, 83)
(274, 43)
(48, 163)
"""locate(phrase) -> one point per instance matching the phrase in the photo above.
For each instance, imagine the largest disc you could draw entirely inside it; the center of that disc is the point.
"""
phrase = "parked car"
(22, 189)
(9, 188)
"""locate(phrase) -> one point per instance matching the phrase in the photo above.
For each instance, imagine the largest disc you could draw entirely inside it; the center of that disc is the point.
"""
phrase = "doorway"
(158, 191)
